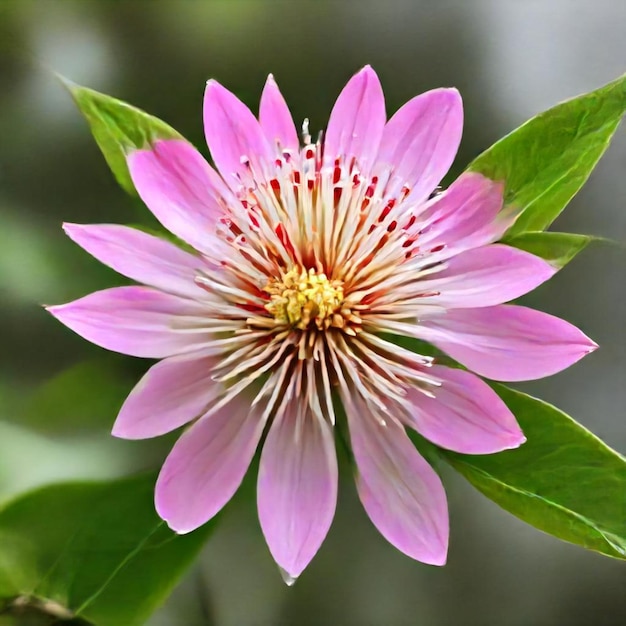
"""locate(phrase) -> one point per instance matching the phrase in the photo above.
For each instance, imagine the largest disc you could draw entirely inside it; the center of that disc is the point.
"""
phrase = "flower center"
(303, 297)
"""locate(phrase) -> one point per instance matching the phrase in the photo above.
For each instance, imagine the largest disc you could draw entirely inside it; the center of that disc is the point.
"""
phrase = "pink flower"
(308, 258)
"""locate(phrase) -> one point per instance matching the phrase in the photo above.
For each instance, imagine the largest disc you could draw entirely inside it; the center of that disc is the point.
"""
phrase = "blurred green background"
(59, 395)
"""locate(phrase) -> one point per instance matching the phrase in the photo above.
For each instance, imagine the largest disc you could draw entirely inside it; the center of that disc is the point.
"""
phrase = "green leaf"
(118, 128)
(563, 480)
(94, 550)
(556, 248)
(73, 401)
(544, 162)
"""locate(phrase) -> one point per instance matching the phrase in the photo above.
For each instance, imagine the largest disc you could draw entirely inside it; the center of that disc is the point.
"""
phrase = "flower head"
(309, 258)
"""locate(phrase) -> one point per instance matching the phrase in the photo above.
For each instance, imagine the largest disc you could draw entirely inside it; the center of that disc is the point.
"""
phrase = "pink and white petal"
(297, 489)
(421, 140)
(465, 415)
(142, 257)
(275, 118)
(173, 392)
(206, 466)
(182, 191)
(138, 321)
(356, 122)
(507, 342)
(485, 276)
(233, 134)
(401, 493)
(466, 215)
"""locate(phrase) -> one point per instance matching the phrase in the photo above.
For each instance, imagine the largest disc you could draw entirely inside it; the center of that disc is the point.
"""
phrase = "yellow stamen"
(300, 298)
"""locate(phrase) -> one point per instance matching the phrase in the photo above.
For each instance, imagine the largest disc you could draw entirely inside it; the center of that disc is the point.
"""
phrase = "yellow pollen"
(300, 298)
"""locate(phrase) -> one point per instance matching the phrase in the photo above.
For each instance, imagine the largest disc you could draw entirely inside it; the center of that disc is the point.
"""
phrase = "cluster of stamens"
(301, 299)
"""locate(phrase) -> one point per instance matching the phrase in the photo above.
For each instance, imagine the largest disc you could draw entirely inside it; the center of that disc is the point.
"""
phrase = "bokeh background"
(59, 395)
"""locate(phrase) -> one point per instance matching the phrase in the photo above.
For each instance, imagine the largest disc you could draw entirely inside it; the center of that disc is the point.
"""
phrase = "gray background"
(510, 59)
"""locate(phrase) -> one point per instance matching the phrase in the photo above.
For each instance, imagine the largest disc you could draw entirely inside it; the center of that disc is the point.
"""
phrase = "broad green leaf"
(74, 401)
(96, 550)
(544, 162)
(118, 128)
(563, 480)
(556, 248)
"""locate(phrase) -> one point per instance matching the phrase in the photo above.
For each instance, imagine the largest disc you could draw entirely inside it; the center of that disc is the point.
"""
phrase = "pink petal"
(401, 493)
(507, 342)
(486, 276)
(275, 118)
(466, 215)
(181, 189)
(421, 140)
(172, 393)
(207, 465)
(233, 134)
(356, 122)
(142, 257)
(135, 320)
(465, 415)
(297, 489)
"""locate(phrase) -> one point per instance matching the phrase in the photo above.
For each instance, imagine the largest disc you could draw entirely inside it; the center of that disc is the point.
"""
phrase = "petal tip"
(288, 579)
(439, 560)
(178, 529)
(121, 430)
(515, 440)
(453, 94)
(165, 512)
(173, 518)
(75, 231)
(509, 440)
(68, 227)
(368, 72)
(213, 87)
(54, 309)
(452, 101)
(366, 75)
(437, 555)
